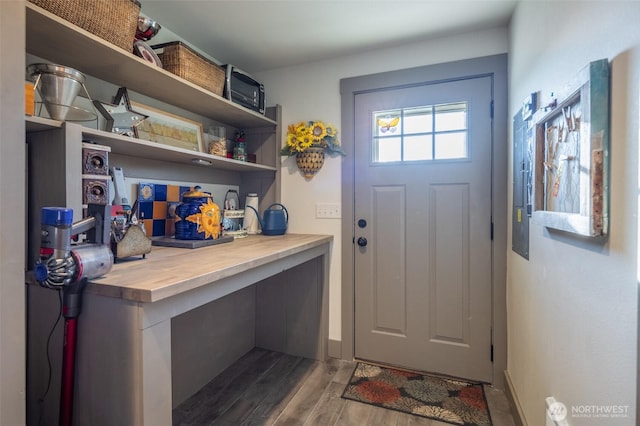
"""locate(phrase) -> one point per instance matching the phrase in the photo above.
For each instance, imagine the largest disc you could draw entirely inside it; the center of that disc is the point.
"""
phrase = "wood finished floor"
(271, 388)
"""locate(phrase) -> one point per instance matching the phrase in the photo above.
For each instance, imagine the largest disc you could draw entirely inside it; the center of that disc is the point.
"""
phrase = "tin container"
(233, 216)
(251, 222)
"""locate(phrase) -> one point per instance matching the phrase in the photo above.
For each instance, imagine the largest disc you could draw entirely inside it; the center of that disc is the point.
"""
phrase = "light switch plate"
(328, 211)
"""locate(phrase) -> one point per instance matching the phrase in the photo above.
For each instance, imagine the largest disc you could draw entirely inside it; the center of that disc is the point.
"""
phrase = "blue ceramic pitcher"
(198, 217)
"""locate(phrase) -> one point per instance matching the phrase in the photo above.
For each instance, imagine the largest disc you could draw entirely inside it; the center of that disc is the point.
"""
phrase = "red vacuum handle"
(71, 307)
(68, 370)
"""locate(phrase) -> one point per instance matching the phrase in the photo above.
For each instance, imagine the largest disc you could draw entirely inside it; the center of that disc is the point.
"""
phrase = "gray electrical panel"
(522, 185)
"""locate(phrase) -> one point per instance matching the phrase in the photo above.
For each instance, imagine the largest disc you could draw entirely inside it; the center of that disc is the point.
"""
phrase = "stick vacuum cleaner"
(68, 269)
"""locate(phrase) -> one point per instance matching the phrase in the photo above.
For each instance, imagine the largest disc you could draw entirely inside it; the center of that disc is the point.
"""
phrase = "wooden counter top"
(169, 271)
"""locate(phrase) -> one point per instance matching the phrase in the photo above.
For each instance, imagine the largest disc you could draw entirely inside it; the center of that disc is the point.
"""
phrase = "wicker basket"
(310, 161)
(181, 60)
(112, 20)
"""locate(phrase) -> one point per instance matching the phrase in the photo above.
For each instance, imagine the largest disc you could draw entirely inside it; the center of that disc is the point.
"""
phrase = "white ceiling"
(258, 35)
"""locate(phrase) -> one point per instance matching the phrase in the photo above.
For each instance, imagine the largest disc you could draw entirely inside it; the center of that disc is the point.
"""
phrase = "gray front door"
(423, 227)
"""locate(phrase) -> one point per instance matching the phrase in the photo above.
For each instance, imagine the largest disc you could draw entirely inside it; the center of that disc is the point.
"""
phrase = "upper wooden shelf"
(55, 39)
(133, 147)
(39, 124)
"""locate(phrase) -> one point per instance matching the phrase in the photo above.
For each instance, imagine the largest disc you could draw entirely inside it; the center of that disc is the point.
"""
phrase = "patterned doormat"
(450, 400)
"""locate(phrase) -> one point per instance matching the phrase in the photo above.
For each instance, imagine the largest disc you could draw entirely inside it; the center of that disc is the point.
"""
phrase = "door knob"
(362, 242)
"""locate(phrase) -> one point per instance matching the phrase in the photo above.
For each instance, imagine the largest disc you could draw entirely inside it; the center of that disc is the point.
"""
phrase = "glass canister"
(197, 216)
(217, 141)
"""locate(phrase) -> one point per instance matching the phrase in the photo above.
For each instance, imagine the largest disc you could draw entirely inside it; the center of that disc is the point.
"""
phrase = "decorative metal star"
(120, 118)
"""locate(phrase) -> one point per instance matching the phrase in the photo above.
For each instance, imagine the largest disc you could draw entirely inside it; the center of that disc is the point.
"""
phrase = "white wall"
(572, 308)
(312, 91)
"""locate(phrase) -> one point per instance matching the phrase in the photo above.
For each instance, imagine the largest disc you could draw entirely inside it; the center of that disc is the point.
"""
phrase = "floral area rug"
(450, 400)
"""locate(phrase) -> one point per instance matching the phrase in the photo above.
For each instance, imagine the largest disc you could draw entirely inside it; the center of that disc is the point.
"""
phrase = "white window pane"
(451, 146)
(417, 148)
(389, 149)
(451, 117)
(418, 120)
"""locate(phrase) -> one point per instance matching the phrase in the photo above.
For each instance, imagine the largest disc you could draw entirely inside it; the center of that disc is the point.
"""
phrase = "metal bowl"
(34, 70)
(147, 28)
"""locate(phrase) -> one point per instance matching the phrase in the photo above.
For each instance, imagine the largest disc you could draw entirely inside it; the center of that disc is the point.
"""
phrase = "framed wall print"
(168, 129)
(571, 157)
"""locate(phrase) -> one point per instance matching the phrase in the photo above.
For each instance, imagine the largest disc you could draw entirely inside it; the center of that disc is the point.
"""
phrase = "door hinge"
(491, 231)
(491, 109)
(492, 352)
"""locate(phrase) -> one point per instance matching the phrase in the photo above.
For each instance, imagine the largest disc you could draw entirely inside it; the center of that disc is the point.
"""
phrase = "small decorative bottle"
(240, 147)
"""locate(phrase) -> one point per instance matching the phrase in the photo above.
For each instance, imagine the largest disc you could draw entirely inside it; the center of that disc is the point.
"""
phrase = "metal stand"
(77, 114)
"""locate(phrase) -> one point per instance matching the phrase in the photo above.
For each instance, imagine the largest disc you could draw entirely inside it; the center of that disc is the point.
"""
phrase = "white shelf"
(145, 149)
(57, 40)
(39, 124)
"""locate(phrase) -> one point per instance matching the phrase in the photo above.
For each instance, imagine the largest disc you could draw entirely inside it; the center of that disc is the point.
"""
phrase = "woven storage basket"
(112, 20)
(181, 60)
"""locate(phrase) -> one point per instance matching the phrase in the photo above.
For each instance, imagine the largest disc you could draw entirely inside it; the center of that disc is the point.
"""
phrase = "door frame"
(494, 66)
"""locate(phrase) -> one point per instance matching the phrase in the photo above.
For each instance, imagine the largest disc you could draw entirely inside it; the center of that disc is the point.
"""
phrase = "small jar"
(240, 151)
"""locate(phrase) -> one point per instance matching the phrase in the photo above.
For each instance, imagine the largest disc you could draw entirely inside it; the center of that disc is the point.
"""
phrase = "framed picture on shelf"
(169, 129)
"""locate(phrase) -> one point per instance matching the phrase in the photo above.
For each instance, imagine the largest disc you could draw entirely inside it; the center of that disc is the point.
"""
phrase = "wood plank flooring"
(271, 388)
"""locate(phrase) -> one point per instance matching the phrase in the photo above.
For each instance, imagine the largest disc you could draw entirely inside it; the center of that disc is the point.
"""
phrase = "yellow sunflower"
(331, 130)
(301, 129)
(318, 131)
(305, 142)
(292, 140)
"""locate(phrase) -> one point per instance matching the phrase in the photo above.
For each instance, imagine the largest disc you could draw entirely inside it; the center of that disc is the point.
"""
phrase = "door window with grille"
(425, 133)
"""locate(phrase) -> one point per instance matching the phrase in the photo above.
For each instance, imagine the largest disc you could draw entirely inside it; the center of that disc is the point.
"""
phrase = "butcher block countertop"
(168, 271)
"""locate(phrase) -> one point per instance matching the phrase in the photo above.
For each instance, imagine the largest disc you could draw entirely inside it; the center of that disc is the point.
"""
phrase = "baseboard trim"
(334, 350)
(516, 408)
